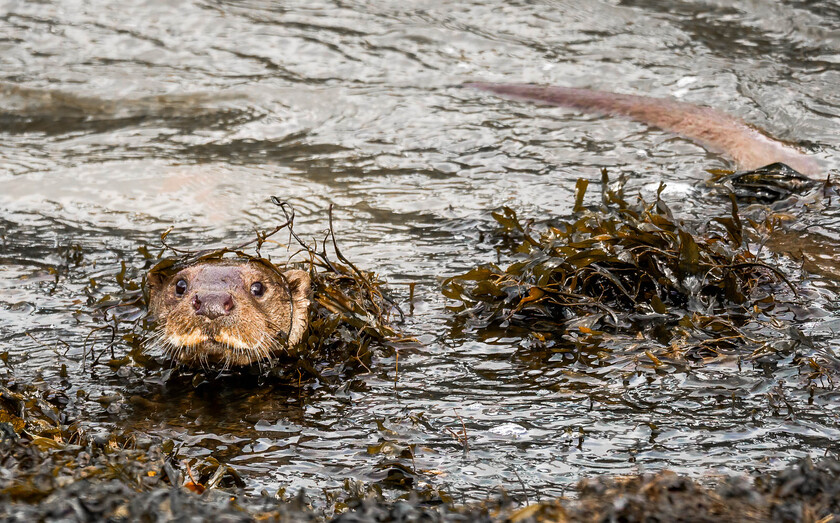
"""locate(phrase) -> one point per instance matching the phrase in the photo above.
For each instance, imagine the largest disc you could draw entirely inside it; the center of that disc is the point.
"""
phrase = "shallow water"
(119, 121)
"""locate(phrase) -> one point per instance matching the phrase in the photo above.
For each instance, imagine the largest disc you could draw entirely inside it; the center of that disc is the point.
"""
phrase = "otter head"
(232, 312)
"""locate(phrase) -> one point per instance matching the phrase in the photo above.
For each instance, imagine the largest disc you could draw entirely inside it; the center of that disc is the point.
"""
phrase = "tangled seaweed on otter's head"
(628, 276)
(349, 308)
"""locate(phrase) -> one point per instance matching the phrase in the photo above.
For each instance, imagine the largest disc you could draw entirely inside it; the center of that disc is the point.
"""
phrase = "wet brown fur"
(254, 329)
(719, 132)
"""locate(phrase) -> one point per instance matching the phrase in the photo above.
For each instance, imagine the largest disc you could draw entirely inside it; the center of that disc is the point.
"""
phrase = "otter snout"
(213, 304)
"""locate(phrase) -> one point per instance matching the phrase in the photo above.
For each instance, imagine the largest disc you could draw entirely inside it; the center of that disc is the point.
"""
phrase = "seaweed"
(802, 492)
(54, 469)
(627, 273)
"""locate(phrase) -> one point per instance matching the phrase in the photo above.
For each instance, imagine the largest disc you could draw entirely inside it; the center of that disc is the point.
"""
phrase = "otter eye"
(257, 289)
(180, 287)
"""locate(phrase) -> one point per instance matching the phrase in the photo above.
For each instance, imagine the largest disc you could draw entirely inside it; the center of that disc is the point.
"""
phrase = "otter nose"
(213, 304)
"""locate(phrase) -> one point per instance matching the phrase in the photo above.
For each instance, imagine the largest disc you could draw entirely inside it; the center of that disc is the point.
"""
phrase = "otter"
(749, 147)
(229, 311)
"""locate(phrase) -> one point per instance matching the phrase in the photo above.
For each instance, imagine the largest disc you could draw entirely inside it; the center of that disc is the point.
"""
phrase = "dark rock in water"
(767, 184)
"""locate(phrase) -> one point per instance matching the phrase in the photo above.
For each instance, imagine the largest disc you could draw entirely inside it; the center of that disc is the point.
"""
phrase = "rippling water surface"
(119, 120)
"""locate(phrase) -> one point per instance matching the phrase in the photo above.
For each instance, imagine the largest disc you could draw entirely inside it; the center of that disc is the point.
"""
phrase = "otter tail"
(717, 131)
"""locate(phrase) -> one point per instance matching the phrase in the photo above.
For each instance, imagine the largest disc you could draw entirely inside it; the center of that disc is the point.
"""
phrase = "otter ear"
(300, 286)
(157, 275)
(155, 279)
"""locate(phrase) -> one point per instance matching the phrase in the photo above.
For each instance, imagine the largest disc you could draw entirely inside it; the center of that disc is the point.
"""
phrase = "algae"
(626, 275)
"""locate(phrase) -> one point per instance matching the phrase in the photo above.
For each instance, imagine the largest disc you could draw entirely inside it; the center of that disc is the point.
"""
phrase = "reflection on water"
(119, 121)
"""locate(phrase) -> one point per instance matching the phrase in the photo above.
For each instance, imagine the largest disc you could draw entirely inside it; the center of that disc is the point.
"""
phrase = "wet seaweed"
(627, 275)
(56, 472)
(802, 492)
(55, 468)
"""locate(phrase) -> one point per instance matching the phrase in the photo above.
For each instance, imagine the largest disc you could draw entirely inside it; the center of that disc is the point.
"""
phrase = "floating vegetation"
(349, 307)
(629, 276)
(43, 450)
(54, 470)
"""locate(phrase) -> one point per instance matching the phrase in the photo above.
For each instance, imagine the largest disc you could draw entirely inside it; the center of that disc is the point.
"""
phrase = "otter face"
(228, 311)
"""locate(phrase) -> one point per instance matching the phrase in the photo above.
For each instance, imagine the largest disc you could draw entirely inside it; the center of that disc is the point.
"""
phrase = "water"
(119, 121)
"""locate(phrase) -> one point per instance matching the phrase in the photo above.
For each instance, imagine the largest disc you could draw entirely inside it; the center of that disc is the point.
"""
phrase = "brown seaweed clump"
(803, 492)
(53, 469)
(626, 274)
